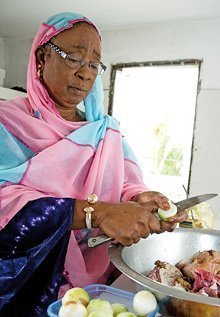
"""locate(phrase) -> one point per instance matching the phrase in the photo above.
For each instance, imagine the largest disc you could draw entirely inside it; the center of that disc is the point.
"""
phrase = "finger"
(166, 226)
(131, 239)
(136, 240)
(160, 231)
(149, 196)
(126, 242)
(158, 198)
(145, 233)
(154, 224)
(162, 201)
(179, 217)
(150, 206)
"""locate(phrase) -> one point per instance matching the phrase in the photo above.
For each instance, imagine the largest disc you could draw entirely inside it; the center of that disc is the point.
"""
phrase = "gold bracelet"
(92, 200)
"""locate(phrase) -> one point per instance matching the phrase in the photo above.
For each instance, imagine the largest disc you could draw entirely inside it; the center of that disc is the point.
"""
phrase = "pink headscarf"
(51, 157)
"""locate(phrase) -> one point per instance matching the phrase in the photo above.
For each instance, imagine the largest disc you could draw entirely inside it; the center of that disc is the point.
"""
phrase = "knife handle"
(96, 241)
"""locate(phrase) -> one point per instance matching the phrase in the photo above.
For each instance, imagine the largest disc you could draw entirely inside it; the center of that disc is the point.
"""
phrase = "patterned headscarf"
(37, 93)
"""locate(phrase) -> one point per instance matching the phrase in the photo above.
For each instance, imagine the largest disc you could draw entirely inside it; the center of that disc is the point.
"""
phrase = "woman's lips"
(80, 91)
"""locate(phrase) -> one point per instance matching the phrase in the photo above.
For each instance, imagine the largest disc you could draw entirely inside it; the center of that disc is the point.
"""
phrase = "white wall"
(2, 61)
(2, 53)
(199, 40)
(16, 60)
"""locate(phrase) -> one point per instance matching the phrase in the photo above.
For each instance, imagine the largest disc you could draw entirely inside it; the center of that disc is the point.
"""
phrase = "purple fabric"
(33, 247)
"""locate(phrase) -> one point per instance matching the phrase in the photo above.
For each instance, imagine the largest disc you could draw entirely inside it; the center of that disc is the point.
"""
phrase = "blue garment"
(33, 248)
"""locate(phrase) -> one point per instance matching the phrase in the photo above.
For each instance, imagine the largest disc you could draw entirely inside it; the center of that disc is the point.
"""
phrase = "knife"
(181, 205)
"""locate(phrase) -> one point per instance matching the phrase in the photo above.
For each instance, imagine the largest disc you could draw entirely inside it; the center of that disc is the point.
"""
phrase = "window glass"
(156, 109)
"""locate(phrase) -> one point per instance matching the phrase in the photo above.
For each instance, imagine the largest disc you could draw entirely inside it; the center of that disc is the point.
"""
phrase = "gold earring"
(39, 71)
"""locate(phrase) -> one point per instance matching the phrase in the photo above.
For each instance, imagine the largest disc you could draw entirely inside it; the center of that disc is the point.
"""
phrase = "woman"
(65, 177)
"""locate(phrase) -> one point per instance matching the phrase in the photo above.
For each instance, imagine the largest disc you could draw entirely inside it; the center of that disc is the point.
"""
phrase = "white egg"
(144, 302)
(73, 309)
(165, 214)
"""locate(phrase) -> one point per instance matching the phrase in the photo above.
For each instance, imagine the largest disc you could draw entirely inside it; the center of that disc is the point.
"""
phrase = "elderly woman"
(65, 176)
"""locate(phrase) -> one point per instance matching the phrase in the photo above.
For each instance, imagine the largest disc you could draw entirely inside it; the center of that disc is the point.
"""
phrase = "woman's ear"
(40, 56)
(41, 53)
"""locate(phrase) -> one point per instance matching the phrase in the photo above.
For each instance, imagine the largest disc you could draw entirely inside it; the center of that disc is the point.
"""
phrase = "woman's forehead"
(79, 37)
(81, 30)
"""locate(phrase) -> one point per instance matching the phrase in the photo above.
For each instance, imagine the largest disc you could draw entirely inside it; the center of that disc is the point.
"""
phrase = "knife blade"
(193, 201)
(181, 205)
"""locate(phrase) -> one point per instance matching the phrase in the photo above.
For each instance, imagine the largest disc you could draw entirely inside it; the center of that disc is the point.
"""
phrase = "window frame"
(178, 62)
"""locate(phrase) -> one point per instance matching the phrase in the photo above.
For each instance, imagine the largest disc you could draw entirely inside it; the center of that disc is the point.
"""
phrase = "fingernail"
(172, 219)
(166, 205)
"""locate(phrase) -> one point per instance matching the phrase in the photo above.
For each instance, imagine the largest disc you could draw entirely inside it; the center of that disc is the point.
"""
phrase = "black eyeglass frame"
(81, 61)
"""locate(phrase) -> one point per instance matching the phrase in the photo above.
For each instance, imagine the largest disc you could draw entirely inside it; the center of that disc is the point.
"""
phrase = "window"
(155, 104)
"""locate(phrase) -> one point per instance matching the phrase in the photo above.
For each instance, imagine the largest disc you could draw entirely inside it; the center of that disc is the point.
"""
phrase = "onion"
(76, 294)
(144, 302)
(99, 304)
(126, 314)
(118, 308)
(100, 313)
(73, 309)
(166, 214)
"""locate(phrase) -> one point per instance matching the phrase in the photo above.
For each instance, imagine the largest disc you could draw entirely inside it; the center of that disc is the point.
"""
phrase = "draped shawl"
(43, 155)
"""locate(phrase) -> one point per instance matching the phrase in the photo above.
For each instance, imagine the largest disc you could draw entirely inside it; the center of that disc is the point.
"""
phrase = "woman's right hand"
(127, 222)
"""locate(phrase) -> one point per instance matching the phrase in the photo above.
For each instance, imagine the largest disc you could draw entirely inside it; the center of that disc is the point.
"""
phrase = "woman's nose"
(84, 72)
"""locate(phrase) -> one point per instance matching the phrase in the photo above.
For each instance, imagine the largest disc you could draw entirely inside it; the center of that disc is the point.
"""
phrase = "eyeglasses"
(76, 62)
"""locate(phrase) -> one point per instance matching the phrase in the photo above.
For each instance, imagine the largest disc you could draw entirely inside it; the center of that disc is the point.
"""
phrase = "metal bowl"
(138, 260)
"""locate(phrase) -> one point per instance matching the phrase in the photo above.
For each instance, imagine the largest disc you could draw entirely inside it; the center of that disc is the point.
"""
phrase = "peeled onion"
(73, 309)
(126, 314)
(100, 313)
(166, 214)
(144, 302)
(118, 308)
(76, 294)
(99, 305)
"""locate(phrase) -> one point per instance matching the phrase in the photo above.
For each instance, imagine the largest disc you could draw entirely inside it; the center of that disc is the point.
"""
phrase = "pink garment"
(62, 167)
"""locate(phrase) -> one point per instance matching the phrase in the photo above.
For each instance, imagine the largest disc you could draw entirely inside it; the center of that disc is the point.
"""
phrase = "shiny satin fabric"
(32, 253)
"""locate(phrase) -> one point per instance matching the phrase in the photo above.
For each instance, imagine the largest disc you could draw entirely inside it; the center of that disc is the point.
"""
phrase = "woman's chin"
(68, 102)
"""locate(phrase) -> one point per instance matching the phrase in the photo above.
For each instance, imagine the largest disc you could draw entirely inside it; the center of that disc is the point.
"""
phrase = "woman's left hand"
(158, 200)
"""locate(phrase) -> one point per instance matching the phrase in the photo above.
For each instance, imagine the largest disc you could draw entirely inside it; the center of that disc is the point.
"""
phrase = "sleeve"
(33, 247)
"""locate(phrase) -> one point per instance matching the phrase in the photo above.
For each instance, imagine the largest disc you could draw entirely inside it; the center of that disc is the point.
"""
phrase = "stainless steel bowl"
(138, 260)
